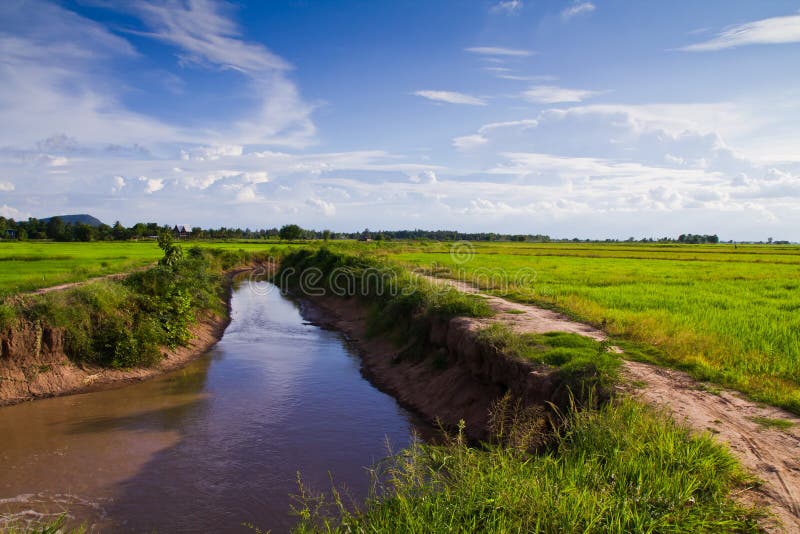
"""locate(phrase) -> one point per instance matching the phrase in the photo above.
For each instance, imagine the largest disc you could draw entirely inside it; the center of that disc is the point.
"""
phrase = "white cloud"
(424, 177)
(10, 213)
(213, 152)
(246, 195)
(550, 94)
(469, 142)
(326, 208)
(776, 30)
(6, 186)
(118, 184)
(152, 184)
(507, 6)
(207, 37)
(577, 8)
(499, 51)
(522, 123)
(451, 97)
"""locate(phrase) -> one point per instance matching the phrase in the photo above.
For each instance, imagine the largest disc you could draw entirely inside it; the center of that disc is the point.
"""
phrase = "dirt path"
(773, 455)
(61, 287)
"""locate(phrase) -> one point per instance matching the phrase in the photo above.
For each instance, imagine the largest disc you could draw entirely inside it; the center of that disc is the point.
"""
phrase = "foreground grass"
(622, 468)
(726, 315)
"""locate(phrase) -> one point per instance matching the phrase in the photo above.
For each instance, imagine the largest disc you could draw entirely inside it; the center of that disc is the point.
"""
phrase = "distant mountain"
(81, 218)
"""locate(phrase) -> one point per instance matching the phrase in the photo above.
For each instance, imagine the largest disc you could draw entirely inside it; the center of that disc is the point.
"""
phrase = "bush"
(125, 323)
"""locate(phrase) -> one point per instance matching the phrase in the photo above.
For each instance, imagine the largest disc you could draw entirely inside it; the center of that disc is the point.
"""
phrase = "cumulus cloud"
(577, 8)
(451, 97)
(151, 185)
(118, 183)
(550, 94)
(775, 30)
(6, 186)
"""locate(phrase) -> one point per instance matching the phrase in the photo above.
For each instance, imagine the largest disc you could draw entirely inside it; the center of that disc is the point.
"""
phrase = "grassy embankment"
(724, 314)
(125, 323)
(621, 467)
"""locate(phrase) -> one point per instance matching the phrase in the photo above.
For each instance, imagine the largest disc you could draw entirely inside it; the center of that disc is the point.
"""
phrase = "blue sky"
(573, 118)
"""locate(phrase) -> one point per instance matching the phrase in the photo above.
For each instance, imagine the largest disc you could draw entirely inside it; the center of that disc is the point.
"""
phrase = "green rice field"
(726, 314)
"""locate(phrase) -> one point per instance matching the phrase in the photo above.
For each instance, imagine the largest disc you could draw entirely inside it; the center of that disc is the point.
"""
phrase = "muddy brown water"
(212, 446)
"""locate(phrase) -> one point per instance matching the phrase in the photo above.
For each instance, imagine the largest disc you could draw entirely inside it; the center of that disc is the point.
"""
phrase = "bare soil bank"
(469, 377)
(33, 364)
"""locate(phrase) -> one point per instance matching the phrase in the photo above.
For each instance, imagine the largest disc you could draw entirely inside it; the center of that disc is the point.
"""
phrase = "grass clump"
(622, 468)
(584, 365)
(772, 422)
(55, 526)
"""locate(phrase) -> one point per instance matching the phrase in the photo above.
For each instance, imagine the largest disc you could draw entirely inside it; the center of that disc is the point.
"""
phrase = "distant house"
(181, 231)
(11, 233)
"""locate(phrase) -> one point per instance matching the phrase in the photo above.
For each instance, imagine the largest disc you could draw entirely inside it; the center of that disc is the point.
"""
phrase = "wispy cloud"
(776, 30)
(466, 143)
(551, 94)
(499, 51)
(451, 97)
(577, 8)
(507, 6)
(206, 35)
(469, 142)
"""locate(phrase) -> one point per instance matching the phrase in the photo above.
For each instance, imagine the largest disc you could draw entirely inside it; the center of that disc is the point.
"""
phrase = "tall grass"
(622, 468)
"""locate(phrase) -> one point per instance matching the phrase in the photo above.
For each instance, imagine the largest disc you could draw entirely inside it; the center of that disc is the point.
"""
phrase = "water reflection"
(211, 446)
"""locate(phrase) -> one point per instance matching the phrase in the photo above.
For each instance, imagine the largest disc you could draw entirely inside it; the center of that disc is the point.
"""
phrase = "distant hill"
(81, 218)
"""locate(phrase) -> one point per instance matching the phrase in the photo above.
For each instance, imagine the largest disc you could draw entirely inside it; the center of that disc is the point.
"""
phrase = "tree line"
(57, 230)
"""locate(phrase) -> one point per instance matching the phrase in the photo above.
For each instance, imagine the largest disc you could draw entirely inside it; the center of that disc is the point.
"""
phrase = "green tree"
(173, 254)
(119, 232)
(55, 229)
(290, 232)
(83, 232)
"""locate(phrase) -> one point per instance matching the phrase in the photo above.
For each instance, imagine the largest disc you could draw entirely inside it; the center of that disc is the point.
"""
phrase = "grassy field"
(29, 265)
(725, 314)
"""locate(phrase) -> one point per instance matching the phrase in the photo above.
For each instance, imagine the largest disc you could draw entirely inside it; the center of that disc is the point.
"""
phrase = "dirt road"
(771, 454)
